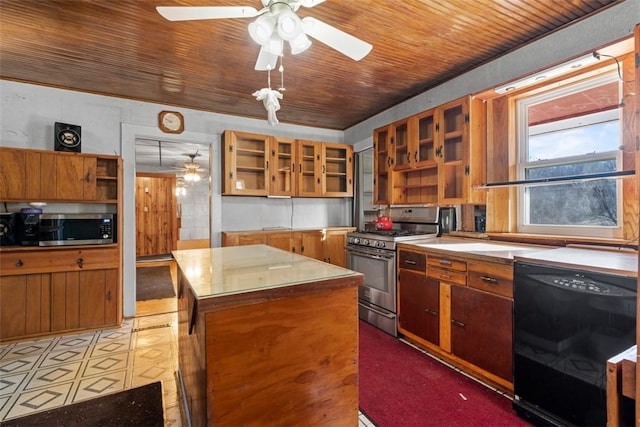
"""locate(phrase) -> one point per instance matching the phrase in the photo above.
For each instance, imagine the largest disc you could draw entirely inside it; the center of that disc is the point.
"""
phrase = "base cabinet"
(460, 310)
(45, 292)
(481, 331)
(325, 244)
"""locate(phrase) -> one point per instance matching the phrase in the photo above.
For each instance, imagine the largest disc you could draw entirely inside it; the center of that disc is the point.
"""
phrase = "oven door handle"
(381, 313)
(370, 255)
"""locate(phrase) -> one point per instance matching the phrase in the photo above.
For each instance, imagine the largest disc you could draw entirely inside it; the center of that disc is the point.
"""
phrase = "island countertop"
(266, 337)
(235, 270)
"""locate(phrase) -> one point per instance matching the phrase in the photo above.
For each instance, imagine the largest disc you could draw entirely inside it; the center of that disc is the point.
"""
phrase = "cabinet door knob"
(19, 263)
(80, 262)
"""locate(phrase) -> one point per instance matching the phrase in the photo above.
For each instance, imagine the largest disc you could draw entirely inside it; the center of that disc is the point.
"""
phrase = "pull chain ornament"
(270, 97)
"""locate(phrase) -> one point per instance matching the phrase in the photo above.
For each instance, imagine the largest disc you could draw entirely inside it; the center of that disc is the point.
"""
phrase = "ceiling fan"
(276, 23)
(191, 168)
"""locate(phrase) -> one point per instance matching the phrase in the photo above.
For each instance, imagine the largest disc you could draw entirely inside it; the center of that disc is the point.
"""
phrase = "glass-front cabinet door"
(452, 128)
(309, 168)
(282, 167)
(382, 164)
(337, 170)
(246, 158)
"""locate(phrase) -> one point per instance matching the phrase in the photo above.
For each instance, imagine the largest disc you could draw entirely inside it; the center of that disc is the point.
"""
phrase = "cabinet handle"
(323, 169)
(415, 156)
(109, 296)
(431, 312)
(445, 275)
(457, 323)
(80, 262)
(19, 263)
(410, 262)
(388, 161)
(488, 279)
(267, 165)
(408, 157)
(445, 262)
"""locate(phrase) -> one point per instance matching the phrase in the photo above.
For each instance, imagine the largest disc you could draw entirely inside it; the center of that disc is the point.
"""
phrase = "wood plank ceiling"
(125, 48)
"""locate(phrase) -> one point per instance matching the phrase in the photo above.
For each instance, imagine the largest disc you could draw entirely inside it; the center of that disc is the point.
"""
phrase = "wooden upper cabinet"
(282, 167)
(403, 141)
(245, 164)
(337, 170)
(309, 168)
(38, 175)
(461, 151)
(382, 166)
(260, 165)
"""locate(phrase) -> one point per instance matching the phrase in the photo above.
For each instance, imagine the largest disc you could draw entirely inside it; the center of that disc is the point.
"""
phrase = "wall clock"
(171, 122)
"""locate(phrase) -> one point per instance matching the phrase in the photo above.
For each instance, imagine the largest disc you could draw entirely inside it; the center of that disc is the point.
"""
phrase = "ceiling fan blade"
(266, 60)
(192, 13)
(310, 3)
(344, 43)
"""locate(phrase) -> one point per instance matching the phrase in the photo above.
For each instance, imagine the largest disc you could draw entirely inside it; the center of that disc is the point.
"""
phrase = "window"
(571, 131)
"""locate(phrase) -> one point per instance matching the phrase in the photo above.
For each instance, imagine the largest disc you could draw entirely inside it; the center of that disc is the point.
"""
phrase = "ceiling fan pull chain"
(281, 69)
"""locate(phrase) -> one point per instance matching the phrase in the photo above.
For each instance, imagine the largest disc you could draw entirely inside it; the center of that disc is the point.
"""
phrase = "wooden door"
(156, 221)
(334, 251)
(481, 331)
(309, 169)
(419, 305)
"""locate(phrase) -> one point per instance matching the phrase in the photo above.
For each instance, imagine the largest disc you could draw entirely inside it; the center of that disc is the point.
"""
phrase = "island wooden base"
(289, 361)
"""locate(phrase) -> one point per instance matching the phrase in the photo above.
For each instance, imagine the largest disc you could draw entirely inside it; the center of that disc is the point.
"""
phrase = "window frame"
(523, 164)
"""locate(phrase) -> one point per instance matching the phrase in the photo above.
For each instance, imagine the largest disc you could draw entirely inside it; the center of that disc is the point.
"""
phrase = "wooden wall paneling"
(156, 222)
(637, 166)
(498, 164)
(629, 135)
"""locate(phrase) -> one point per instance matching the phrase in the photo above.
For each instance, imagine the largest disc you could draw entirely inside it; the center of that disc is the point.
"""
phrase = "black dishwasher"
(567, 323)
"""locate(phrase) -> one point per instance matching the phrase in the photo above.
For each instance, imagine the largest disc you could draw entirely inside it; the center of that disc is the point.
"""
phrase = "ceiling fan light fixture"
(262, 28)
(289, 25)
(275, 45)
(299, 44)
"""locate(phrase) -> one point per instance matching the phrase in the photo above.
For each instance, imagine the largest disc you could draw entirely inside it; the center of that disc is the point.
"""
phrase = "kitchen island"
(266, 337)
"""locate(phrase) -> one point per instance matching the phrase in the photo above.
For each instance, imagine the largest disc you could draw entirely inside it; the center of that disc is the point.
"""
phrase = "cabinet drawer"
(21, 262)
(449, 264)
(412, 261)
(449, 276)
(495, 278)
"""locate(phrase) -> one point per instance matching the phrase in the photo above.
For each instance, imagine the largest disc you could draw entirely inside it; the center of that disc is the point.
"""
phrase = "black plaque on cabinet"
(67, 137)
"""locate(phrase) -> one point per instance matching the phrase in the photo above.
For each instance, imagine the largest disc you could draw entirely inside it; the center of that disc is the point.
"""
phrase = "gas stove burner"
(394, 233)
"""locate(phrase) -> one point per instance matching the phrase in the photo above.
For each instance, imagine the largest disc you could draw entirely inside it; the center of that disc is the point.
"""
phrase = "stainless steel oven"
(373, 253)
(377, 298)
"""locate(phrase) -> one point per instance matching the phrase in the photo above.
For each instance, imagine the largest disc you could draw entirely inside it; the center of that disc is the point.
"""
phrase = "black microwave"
(77, 229)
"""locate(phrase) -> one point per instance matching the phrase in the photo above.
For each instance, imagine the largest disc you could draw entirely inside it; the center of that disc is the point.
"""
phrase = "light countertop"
(482, 250)
(216, 272)
(600, 260)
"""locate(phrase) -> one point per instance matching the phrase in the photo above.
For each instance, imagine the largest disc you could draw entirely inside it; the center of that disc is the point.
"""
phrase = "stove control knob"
(380, 245)
(356, 240)
(365, 242)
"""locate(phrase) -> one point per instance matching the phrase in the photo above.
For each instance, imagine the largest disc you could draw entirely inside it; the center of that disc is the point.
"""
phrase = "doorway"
(171, 189)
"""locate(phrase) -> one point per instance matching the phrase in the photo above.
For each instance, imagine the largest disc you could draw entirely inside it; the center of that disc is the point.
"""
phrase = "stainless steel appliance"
(77, 229)
(373, 253)
(567, 323)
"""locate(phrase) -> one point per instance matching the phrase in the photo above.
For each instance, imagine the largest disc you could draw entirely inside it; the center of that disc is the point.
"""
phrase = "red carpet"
(400, 386)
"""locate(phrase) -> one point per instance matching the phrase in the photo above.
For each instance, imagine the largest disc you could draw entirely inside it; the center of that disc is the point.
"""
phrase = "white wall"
(112, 125)
(582, 37)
